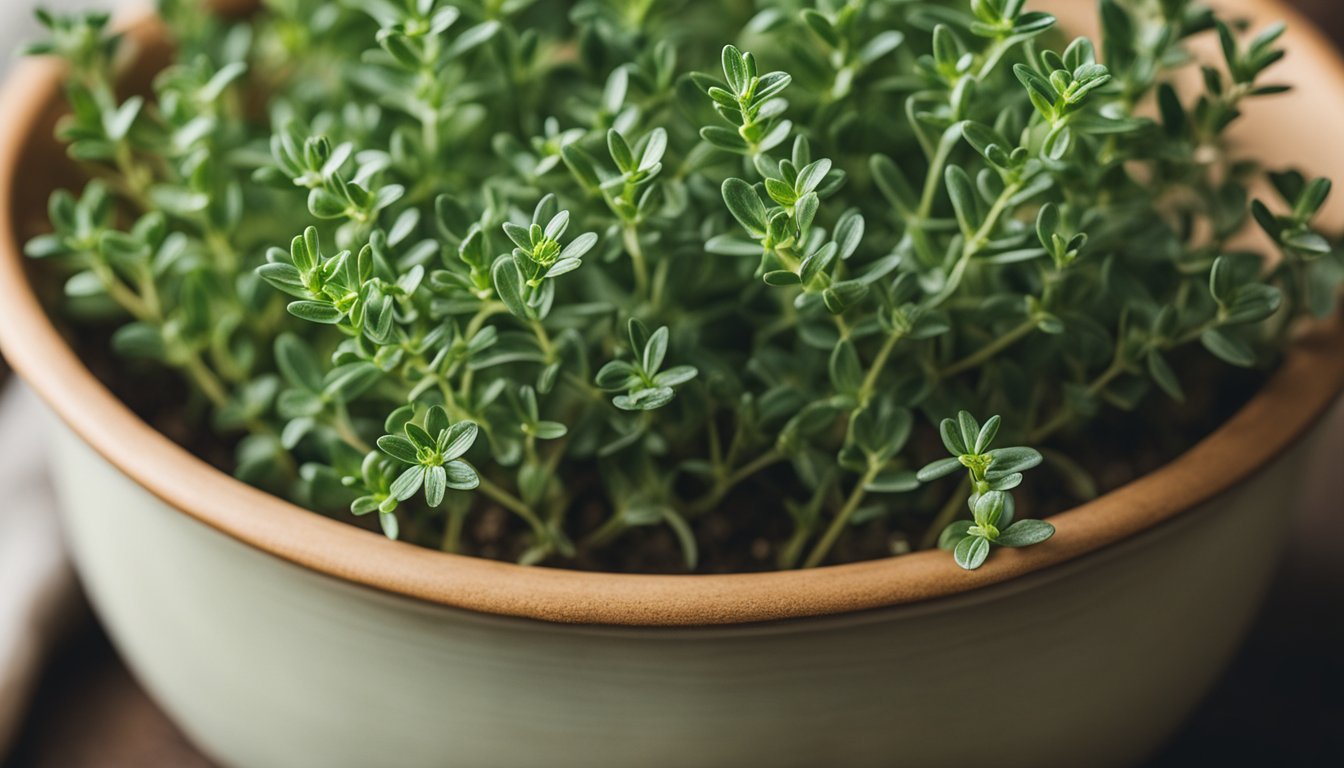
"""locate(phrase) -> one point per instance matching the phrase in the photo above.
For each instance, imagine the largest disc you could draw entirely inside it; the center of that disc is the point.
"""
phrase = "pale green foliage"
(689, 264)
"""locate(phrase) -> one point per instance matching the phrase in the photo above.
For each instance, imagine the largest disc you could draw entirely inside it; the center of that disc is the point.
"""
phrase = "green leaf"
(436, 483)
(460, 476)
(1307, 242)
(83, 285)
(284, 277)
(297, 363)
(892, 183)
(1016, 459)
(581, 164)
(436, 421)
(422, 439)
(675, 376)
(964, 200)
(880, 431)
(845, 369)
(617, 375)
(508, 282)
(781, 192)
(985, 436)
(655, 350)
(723, 138)
(734, 69)
(810, 178)
(1164, 376)
(549, 430)
(388, 522)
(118, 122)
(939, 468)
(745, 205)
(139, 340)
(970, 552)
(647, 399)
(315, 312)
(988, 508)
(822, 26)
(351, 380)
(782, 278)
(396, 420)
(472, 38)
(408, 483)
(399, 448)
(848, 233)
(1231, 272)
(655, 145)
(805, 210)
(1025, 533)
(460, 438)
(953, 534)
(578, 246)
(951, 433)
(364, 505)
(1227, 347)
(893, 481)
(969, 430)
(620, 151)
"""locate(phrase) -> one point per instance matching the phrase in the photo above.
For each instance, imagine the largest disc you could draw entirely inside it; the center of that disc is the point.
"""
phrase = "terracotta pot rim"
(1306, 384)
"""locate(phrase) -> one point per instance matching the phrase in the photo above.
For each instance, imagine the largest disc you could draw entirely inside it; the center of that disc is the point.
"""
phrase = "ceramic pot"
(279, 638)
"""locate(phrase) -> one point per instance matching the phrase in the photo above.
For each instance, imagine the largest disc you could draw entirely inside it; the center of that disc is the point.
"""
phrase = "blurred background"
(1281, 703)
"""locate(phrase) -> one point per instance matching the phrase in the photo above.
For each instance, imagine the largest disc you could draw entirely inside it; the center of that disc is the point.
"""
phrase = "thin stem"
(1192, 334)
(841, 520)
(543, 340)
(1066, 414)
(604, 533)
(715, 442)
(346, 430)
(125, 297)
(512, 503)
(875, 370)
(992, 57)
(935, 176)
(659, 284)
(728, 482)
(947, 514)
(630, 236)
(206, 380)
(793, 548)
(149, 294)
(136, 181)
(841, 326)
(488, 310)
(991, 349)
(225, 254)
(452, 531)
(976, 243)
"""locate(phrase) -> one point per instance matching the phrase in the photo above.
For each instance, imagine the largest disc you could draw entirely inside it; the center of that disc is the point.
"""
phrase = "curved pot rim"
(1296, 395)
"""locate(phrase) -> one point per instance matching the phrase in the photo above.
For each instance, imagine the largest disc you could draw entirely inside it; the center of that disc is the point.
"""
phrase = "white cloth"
(37, 588)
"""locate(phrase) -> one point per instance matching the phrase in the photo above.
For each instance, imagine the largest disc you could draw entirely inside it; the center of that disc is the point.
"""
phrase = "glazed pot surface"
(264, 663)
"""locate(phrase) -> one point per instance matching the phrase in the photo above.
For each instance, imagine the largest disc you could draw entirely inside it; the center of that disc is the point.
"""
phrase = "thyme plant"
(607, 266)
